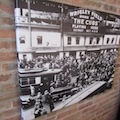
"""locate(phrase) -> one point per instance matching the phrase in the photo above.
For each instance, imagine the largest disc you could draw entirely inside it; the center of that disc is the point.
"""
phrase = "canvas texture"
(65, 54)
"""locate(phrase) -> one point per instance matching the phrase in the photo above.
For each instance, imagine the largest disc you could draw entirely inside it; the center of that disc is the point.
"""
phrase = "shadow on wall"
(118, 116)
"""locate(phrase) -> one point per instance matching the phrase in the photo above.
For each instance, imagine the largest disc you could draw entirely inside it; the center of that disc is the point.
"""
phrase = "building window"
(22, 40)
(32, 80)
(27, 81)
(77, 40)
(112, 40)
(91, 40)
(98, 40)
(69, 40)
(24, 57)
(108, 40)
(39, 40)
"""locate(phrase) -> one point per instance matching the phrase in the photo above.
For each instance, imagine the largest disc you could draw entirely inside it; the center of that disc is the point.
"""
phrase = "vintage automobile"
(60, 93)
(27, 101)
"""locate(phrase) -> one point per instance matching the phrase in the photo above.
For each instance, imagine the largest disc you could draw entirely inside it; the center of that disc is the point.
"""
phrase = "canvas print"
(65, 54)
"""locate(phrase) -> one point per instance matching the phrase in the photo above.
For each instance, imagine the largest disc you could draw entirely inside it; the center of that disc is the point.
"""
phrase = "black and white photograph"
(65, 54)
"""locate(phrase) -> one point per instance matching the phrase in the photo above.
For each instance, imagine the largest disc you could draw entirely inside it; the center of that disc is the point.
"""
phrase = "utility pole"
(61, 29)
(29, 21)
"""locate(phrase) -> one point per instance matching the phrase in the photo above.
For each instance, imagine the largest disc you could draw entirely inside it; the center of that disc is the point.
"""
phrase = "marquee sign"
(86, 21)
(65, 54)
(90, 21)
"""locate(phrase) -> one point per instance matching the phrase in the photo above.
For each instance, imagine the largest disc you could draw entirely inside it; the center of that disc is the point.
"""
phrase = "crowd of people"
(38, 101)
(90, 67)
(100, 66)
(40, 62)
(97, 67)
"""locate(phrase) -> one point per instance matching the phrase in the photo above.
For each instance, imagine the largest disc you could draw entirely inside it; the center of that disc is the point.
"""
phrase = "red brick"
(73, 117)
(5, 106)
(77, 2)
(10, 87)
(9, 96)
(7, 21)
(88, 108)
(84, 105)
(4, 78)
(6, 8)
(111, 1)
(95, 4)
(8, 56)
(110, 8)
(16, 103)
(102, 102)
(7, 45)
(68, 112)
(9, 113)
(118, 2)
(17, 117)
(9, 66)
(7, 34)
(51, 118)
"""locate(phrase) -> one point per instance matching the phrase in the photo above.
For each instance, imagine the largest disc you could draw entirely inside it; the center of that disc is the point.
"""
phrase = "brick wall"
(100, 107)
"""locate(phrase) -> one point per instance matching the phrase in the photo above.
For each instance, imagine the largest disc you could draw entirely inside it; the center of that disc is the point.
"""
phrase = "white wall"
(19, 18)
(118, 40)
(78, 54)
(17, 12)
(82, 41)
(67, 54)
(53, 38)
(22, 32)
(60, 55)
